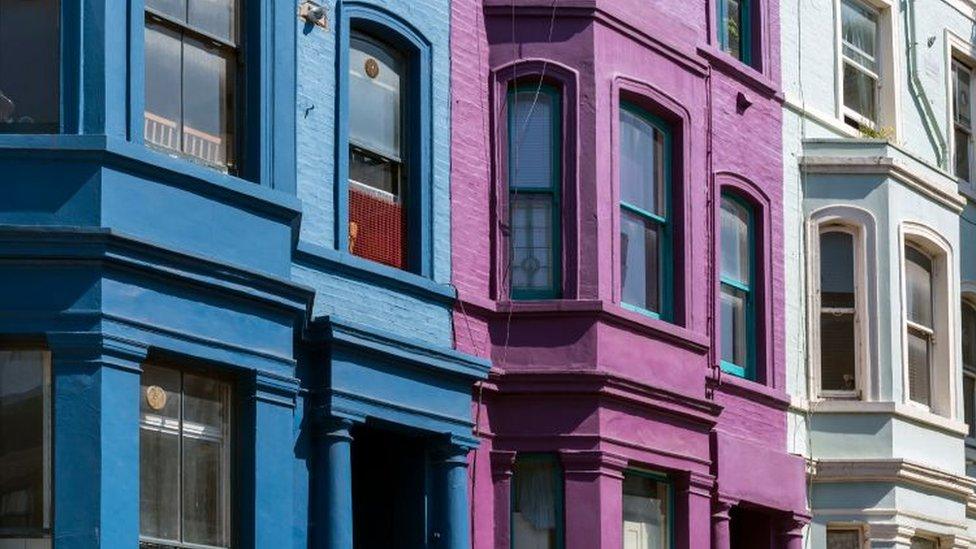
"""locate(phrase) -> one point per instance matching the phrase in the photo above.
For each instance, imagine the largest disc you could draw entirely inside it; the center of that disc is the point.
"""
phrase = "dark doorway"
(750, 528)
(389, 490)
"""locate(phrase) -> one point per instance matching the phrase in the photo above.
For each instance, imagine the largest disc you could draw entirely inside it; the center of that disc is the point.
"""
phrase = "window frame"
(847, 527)
(665, 223)
(860, 335)
(554, 191)
(560, 496)
(416, 111)
(876, 75)
(887, 99)
(746, 36)
(48, 394)
(235, 417)
(747, 371)
(920, 330)
(236, 149)
(668, 481)
(955, 62)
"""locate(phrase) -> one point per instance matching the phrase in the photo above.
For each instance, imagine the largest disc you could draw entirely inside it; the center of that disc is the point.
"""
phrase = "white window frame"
(861, 335)
(848, 527)
(942, 357)
(961, 51)
(886, 93)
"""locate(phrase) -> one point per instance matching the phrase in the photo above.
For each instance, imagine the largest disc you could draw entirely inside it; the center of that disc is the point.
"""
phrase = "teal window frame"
(665, 244)
(554, 191)
(745, 32)
(560, 497)
(747, 370)
(665, 479)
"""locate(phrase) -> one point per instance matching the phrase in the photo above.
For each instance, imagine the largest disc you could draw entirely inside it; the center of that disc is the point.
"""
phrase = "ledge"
(137, 158)
(752, 390)
(895, 409)
(320, 257)
(737, 70)
(599, 310)
(892, 470)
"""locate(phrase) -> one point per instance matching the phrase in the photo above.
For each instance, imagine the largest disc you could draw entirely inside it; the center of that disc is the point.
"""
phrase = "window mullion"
(179, 461)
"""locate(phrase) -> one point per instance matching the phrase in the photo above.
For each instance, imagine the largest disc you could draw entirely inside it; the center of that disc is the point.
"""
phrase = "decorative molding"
(898, 410)
(502, 464)
(893, 471)
(97, 349)
(593, 463)
(274, 389)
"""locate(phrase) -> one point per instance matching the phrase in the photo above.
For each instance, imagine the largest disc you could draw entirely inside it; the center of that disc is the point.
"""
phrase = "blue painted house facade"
(203, 341)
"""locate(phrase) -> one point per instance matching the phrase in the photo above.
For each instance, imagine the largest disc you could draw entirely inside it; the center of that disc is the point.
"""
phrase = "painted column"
(694, 504)
(452, 471)
(720, 524)
(792, 532)
(96, 440)
(594, 499)
(272, 443)
(502, 468)
(332, 497)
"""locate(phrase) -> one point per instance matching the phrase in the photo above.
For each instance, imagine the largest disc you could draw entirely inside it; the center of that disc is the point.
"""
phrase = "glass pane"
(172, 8)
(733, 25)
(639, 262)
(532, 242)
(736, 260)
(216, 17)
(24, 441)
(843, 539)
(535, 504)
(961, 95)
(837, 352)
(208, 103)
(735, 347)
(206, 461)
(918, 367)
(376, 172)
(30, 68)
(837, 270)
(531, 143)
(918, 275)
(376, 74)
(645, 513)
(859, 29)
(642, 181)
(923, 543)
(968, 335)
(163, 104)
(159, 453)
(963, 151)
(968, 395)
(860, 92)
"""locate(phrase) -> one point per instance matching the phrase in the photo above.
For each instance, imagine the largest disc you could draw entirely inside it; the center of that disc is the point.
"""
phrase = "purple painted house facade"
(616, 189)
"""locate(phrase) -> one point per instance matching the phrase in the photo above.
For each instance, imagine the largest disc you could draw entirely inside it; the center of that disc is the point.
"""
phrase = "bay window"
(962, 118)
(645, 224)
(191, 101)
(30, 66)
(919, 329)
(537, 506)
(860, 63)
(534, 185)
(185, 459)
(737, 288)
(25, 448)
(647, 511)
(838, 303)
(378, 197)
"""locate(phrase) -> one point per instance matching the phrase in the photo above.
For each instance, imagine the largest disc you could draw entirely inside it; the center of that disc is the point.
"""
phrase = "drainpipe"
(915, 85)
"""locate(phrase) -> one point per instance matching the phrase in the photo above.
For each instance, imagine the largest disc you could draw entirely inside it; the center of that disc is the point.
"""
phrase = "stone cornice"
(894, 471)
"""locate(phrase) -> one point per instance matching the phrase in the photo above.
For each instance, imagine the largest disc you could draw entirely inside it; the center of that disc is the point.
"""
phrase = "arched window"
(839, 315)
(379, 224)
(645, 221)
(737, 287)
(534, 185)
(920, 325)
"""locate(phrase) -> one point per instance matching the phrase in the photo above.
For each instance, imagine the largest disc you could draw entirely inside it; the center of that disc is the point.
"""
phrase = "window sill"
(746, 74)
(382, 275)
(904, 411)
(150, 164)
(753, 390)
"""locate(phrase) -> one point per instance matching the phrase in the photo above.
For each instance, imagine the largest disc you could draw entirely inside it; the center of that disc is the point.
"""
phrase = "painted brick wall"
(316, 113)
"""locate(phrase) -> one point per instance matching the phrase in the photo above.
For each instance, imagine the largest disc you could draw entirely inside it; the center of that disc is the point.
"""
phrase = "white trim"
(957, 47)
(903, 411)
(894, 471)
